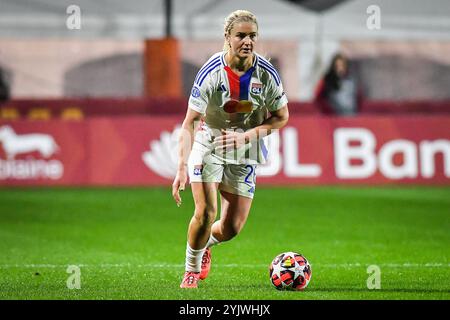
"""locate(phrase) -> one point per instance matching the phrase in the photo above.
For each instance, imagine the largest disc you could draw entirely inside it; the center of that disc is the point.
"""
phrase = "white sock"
(194, 259)
(212, 241)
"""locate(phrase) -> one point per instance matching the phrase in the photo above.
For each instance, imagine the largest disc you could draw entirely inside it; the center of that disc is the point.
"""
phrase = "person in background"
(338, 92)
(4, 88)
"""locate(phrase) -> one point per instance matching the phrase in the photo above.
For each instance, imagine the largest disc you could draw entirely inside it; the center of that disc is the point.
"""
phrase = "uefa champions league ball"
(290, 271)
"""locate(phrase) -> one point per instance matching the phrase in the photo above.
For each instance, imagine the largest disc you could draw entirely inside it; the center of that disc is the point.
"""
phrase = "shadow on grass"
(378, 290)
(335, 289)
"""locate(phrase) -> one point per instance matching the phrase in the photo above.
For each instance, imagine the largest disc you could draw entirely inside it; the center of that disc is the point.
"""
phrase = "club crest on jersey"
(256, 88)
(198, 170)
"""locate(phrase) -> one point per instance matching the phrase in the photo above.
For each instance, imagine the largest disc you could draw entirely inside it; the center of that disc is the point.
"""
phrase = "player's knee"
(205, 215)
(232, 230)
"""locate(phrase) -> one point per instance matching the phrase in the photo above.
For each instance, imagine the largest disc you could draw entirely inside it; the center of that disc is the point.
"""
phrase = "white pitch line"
(234, 265)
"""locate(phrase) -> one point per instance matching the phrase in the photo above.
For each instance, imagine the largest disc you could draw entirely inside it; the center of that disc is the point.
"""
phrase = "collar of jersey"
(222, 59)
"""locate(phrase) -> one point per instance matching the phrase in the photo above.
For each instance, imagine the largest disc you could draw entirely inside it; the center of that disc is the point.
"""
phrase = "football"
(290, 271)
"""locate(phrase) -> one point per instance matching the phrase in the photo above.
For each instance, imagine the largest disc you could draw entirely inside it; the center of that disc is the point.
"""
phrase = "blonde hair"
(236, 17)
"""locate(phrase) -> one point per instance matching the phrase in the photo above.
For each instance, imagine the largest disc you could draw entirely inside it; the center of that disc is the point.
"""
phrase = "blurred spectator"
(4, 88)
(339, 92)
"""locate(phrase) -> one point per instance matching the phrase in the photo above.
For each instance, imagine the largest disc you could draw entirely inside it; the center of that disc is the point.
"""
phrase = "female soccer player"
(237, 99)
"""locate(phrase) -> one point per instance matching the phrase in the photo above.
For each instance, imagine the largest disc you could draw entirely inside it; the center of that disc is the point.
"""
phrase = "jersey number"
(251, 176)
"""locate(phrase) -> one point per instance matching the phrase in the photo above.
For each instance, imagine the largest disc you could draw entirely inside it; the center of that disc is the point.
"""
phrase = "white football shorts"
(239, 179)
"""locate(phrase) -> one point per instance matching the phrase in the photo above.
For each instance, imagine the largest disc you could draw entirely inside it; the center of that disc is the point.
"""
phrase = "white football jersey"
(256, 93)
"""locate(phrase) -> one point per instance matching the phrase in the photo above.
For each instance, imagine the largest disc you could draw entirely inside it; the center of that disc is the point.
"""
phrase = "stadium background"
(108, 98)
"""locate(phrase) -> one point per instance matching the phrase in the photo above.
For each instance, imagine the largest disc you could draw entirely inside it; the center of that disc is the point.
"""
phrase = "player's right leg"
(205, 199)
(205, 179)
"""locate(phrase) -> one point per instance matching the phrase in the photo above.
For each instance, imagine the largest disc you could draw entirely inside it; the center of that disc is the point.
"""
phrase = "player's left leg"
(234, 213)
(237, 189)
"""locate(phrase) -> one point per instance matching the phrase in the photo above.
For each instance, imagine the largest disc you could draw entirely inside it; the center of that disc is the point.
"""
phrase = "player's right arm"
(185, 141)
(198, 102)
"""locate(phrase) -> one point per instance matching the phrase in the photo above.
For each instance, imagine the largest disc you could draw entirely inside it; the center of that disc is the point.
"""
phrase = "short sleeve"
(201, 90)
(198, 100)
(275, 95)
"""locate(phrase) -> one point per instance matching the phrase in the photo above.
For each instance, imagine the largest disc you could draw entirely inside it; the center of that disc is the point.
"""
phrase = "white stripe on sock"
(194, 259)
(212, 241)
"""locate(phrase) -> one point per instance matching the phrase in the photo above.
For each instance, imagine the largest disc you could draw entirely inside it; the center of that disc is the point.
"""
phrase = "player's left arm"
(276, 103)
(277, 120)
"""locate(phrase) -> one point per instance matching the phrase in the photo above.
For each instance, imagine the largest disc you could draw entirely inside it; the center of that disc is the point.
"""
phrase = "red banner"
(309, 150)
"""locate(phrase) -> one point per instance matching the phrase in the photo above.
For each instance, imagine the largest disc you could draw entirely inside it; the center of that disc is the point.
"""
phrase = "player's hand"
(230, 140)
(178, 185)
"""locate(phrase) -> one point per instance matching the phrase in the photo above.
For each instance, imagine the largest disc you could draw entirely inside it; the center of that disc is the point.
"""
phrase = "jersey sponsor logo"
(195, 92)
(256, 88)
(198, 170)
(235, 106)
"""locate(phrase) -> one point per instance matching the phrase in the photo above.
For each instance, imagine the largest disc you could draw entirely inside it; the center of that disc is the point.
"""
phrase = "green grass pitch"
(129, 243)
